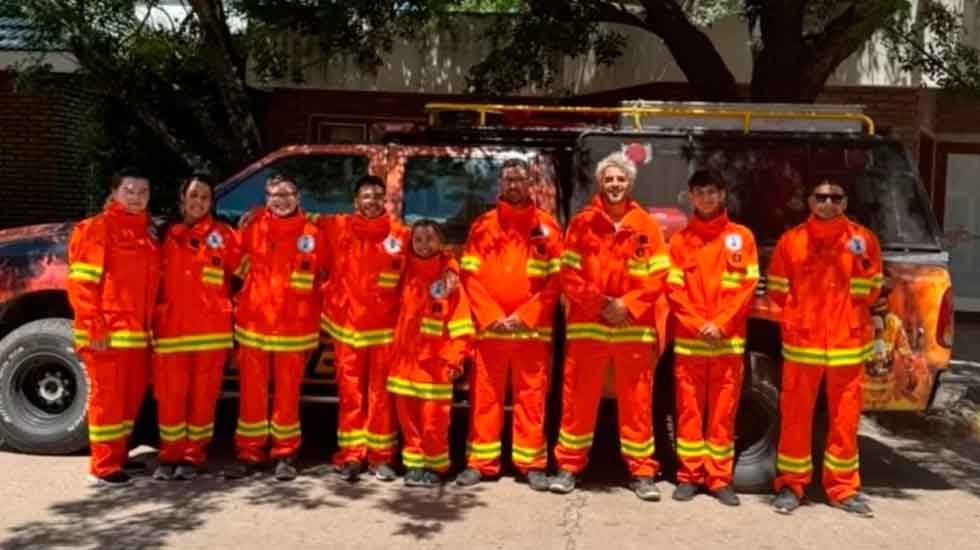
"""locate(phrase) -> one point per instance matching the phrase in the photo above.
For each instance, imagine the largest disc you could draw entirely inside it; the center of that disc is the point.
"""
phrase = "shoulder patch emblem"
(306, 244)
(393, 245)
(857, 245)
(215, 240)
(733, 242)
(438, 290)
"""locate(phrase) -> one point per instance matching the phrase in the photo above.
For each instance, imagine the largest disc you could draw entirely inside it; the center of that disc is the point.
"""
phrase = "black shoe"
(350, 471)
(414, 477)
(685, 492)
(786, 501)
(241, 469)
(645, 488)
(726, 495)
(115, 479)
(431, 479)
(855, 505)
(468, 477)
(165, 472)
(384, 472)
(185, 472)
(563, 482)
(285, 468)
(134, 468)
(537, 480)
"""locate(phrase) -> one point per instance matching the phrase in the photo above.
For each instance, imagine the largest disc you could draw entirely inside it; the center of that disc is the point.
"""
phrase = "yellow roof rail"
(637, 113)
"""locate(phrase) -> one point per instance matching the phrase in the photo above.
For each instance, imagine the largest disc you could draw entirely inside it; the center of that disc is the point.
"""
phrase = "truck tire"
(43, 389)
(757, 428)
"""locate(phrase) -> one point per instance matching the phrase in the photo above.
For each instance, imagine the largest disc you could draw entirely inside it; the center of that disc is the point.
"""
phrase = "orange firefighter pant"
(425, 432)
(257, 367)
(366, 427)
(186, 387)
(801, 383)
(708, 391)
(632, 365)
(527, 363)
(118, 379)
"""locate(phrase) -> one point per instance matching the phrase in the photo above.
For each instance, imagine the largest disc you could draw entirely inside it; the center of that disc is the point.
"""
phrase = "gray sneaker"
(468, 477)
(855, 505)
(414, 477)
(726, 495)
(285, 470)
(563, 482)
(431, 479)
(350, 471)
(185, 472)
(113, 480)
(685, 492)
(165, 472)
(645, 488)
(786, 501)
(384, 472)
(537, 480)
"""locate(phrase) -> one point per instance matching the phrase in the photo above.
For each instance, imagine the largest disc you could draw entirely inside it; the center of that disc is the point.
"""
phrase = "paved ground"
(926, 493)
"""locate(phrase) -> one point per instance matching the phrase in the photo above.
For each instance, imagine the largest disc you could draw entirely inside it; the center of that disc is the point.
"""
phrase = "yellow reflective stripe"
(431, 327)
(269, 342)
(752, 271)
(128, 339)
(483, 450)
(841, 465)
(213, 276)
(413, 460)
(645, 268)
(690, 448)
(301, 279)
(470, 263)
(776, 283)
(675, 276)
(196, 433)
(734, 279)
(526, 455)
(786, 463)
(354, 338)
(830, 358)
(242, 268)
(252, 429)
(720, 452)
(80, 271)
(572, 259)
(603, 333)
(355, 438)
(570, 441)
(81, 337)
(172, 432)
(437, 461)
(380, 441)
(388, 279)
(543, 268)
(638, 449)
(461, 327)
(421, 390)
(691, 346)
(197, 342)
(289, 431)
(542, 333)
(107, 432)
(128, 426)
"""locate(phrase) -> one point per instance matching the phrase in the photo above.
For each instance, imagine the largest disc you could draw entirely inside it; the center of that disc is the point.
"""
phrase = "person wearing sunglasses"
(825, 274)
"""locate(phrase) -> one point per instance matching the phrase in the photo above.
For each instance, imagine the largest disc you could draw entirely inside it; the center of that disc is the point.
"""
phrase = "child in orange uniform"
(432, 336)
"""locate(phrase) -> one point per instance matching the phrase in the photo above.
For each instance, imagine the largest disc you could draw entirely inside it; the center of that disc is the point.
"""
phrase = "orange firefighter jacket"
(433, 331)
(193, 311)
(510, 264)
(714, 272)
(825, 274)
(282, 266)
(366, 258)
(113, 277)
(602, 259)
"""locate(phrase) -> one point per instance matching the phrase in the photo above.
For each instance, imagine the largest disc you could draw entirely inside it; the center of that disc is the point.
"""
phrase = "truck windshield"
(767, 178)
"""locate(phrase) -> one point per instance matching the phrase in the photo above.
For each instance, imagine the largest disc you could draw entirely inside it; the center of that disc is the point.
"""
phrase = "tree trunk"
(229, 70)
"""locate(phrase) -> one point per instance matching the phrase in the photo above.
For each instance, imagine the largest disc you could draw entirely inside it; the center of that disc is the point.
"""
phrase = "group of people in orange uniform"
(404, 316)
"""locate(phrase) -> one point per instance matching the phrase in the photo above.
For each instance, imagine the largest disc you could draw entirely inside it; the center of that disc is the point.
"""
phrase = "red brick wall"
(41, 174)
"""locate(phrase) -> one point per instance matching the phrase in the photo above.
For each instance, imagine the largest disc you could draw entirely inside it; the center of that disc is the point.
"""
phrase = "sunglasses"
(832, 197)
